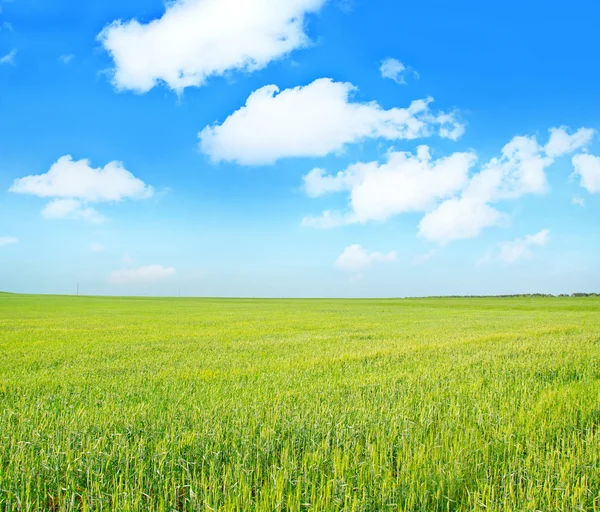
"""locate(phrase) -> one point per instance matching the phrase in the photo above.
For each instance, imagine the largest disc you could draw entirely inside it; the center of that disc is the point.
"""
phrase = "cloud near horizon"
(517, 250)
(356, 259)
(142, 275)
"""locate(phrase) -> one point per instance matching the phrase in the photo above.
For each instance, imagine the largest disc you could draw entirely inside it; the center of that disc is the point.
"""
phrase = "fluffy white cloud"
(8, 240)
(394, 70)
(458, 219)
(315, 120)
(561, 142)
(9, 58)
(78, 180)
(355, 259)
(520, 170)
(587, 167)
(76, 183)
(457, 205)
(143, 275)
(405, 183)
(196, 39)
(519, 249)
(72, 209)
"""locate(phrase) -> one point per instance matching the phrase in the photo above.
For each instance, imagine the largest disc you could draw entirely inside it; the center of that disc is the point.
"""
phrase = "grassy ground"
(198, 404)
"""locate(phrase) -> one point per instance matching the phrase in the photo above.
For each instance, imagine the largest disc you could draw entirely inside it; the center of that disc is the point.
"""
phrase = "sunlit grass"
(236, 405)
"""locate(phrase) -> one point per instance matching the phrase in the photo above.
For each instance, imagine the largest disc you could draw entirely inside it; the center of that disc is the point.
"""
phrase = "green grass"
(238, 405)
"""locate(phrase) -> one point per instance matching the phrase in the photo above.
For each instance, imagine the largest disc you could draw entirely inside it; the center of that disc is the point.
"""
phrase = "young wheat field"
(137, 404)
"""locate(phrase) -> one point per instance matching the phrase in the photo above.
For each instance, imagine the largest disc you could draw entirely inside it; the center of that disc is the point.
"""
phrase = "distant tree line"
(516, 295)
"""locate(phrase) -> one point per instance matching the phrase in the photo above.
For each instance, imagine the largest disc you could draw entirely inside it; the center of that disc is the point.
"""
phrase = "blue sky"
(299, 147)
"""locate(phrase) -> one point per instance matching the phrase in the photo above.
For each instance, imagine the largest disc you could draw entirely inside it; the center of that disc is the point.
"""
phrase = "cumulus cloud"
(394, 70)
(314, 121)
(65, 59)
(77, 179)
(74, 184)
(71, 209)
(457, 205)
(587, 167)
(458, 219)
(196, 39)
(520, 170)
(356, 259)
(142, 275)
(407, 182)
(561, 142)
(8, 240)
(9, 58)
(517, 250)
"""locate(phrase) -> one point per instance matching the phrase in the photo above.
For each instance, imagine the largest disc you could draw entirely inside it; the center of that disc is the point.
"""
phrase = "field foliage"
(134, 404)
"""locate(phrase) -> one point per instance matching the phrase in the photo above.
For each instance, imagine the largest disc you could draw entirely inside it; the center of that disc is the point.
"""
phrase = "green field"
(368, 405)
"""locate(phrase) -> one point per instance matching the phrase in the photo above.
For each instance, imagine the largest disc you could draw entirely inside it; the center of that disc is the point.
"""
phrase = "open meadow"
(135, 404)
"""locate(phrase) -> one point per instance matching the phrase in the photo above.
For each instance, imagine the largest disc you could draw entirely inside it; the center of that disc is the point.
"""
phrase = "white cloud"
(8, 240)
(405, 183)
(9, 58)
(561, 142)
(578, 201)
(457, 205)
(72, 209)
(520, 170)
(143, 275)
(587, 167)
(356, 259)
(77, 179)
(315, 120)
(519, 249)
(329, 219)
(96, 247)
(394, 70)
(65, 59)
(76, 183)
(459, 219)
(196, 39)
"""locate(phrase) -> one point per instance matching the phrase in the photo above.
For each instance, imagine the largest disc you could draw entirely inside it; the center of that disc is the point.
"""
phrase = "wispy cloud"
(8, 240)
(9, 58)
(423, 258)
(516, 250)
(65, 59)
(143, 275)
(96, 247)
(394, 70)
